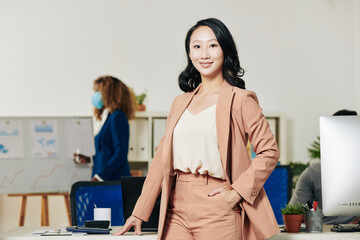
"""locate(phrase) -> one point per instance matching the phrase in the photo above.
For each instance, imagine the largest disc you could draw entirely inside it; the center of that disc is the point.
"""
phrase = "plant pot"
(141, 107)
(293, 222)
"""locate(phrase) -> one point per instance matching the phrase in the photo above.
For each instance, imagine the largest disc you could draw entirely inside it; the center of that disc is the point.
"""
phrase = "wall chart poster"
(36, 153)
(11, 139)
(44, 138)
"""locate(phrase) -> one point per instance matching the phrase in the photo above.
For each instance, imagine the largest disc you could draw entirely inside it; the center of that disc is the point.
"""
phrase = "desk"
(25, 233)
(22, 233)
(325, 235)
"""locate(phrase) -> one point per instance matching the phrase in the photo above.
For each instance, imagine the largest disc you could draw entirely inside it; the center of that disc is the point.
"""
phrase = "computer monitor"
(340, 165)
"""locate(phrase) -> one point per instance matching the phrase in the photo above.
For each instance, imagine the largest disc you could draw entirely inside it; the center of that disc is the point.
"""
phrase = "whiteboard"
(36, 153)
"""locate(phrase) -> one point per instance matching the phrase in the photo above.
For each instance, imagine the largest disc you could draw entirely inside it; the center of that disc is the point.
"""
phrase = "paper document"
(44, 138)
(11, 139)
(80, 136)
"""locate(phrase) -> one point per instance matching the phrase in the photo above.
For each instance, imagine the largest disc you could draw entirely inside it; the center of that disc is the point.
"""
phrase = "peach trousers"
(192, 214)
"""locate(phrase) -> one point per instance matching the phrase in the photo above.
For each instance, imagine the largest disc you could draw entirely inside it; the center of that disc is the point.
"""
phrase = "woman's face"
(96, 87)
(205, 52)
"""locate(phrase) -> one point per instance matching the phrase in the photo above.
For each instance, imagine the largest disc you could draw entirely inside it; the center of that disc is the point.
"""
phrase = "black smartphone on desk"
(344, 229)
(97, 224)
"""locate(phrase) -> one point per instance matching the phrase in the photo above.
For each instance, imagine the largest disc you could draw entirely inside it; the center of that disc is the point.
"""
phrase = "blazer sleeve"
(153, 182)
(257, 130)
(119, 127)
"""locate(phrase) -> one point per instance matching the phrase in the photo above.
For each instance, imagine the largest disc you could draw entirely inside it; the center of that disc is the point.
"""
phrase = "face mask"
(97, 100)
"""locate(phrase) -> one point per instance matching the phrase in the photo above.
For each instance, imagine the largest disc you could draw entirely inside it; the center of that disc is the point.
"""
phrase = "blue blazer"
(112, 146)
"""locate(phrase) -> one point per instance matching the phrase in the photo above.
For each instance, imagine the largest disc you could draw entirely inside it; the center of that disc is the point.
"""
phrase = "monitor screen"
(340, 165)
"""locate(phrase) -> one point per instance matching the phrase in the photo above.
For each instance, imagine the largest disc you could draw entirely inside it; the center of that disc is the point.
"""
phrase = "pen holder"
(314, 221)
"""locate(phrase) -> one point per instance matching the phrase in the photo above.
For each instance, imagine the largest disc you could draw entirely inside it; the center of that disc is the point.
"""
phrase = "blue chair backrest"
(278, 189)
(85, 195)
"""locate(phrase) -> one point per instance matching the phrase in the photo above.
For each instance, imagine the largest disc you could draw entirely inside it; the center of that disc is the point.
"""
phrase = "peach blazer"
(239, 118)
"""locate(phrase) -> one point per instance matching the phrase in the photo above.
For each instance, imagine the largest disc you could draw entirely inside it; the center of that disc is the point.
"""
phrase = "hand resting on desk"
(132, 221)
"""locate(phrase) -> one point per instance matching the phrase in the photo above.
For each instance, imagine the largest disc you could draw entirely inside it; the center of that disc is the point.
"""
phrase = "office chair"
(278, 188)
(84, 195)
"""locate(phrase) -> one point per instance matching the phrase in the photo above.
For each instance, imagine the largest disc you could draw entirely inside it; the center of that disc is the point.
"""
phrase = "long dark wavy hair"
(190, 78)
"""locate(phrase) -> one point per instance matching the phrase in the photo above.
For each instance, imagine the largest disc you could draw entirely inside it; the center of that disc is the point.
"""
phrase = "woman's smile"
(205, 64)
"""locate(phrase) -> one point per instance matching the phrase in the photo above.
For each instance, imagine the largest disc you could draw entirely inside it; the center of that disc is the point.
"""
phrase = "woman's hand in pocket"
(230, 196)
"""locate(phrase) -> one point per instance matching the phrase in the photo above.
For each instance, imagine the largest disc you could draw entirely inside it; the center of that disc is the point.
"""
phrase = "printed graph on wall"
(36, 153)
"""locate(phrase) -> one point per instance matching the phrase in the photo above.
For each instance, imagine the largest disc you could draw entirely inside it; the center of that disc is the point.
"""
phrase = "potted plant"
(140, 101)
(314, 149)
(293, 215)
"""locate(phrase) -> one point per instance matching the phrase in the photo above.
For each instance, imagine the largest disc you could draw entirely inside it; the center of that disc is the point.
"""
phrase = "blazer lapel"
(223, 111)
(178, 111)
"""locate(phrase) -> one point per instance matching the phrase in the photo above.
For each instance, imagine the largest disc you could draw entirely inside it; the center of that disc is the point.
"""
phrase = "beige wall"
(300, 57)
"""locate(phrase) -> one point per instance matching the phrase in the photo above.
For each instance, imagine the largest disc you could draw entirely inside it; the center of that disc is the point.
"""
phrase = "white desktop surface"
(325, 235)
(21, 233)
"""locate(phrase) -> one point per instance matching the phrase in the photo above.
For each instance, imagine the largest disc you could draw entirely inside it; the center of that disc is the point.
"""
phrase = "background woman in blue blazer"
(114, 104)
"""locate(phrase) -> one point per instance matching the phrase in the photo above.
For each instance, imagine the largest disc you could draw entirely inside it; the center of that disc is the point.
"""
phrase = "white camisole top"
(195, 145)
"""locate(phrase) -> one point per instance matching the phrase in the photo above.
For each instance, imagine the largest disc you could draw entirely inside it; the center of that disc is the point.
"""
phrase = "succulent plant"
(293, 209)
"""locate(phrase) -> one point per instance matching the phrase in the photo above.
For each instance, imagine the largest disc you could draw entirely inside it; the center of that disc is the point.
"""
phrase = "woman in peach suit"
(210, 189)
